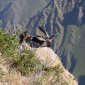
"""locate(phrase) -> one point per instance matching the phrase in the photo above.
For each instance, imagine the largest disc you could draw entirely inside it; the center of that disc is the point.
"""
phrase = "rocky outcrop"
(52, 73)
(51, 60)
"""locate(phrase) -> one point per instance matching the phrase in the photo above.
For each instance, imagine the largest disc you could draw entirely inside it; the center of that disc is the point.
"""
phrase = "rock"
(47, 57)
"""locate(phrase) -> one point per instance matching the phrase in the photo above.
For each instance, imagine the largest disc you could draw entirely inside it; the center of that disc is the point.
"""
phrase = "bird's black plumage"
(48, 39)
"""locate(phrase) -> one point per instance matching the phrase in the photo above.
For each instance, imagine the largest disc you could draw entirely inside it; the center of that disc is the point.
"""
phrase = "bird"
(39, 39)
(24, 37)
(23, 43)
(43, 34)
(34, 41)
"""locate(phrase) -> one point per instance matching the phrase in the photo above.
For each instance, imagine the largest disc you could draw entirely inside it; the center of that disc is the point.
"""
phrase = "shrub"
(8, 44)
(25, 62)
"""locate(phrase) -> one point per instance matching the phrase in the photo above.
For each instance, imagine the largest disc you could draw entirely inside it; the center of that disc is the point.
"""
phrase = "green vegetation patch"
(25, 62)
(8, 44)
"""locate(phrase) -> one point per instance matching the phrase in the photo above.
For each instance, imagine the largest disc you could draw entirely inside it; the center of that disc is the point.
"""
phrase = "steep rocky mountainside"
(57, 15)
(18, 11)
(67, 19)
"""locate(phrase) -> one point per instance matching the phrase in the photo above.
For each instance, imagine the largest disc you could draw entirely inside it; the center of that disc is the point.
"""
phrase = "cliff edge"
(49, 71)
(50, 59)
